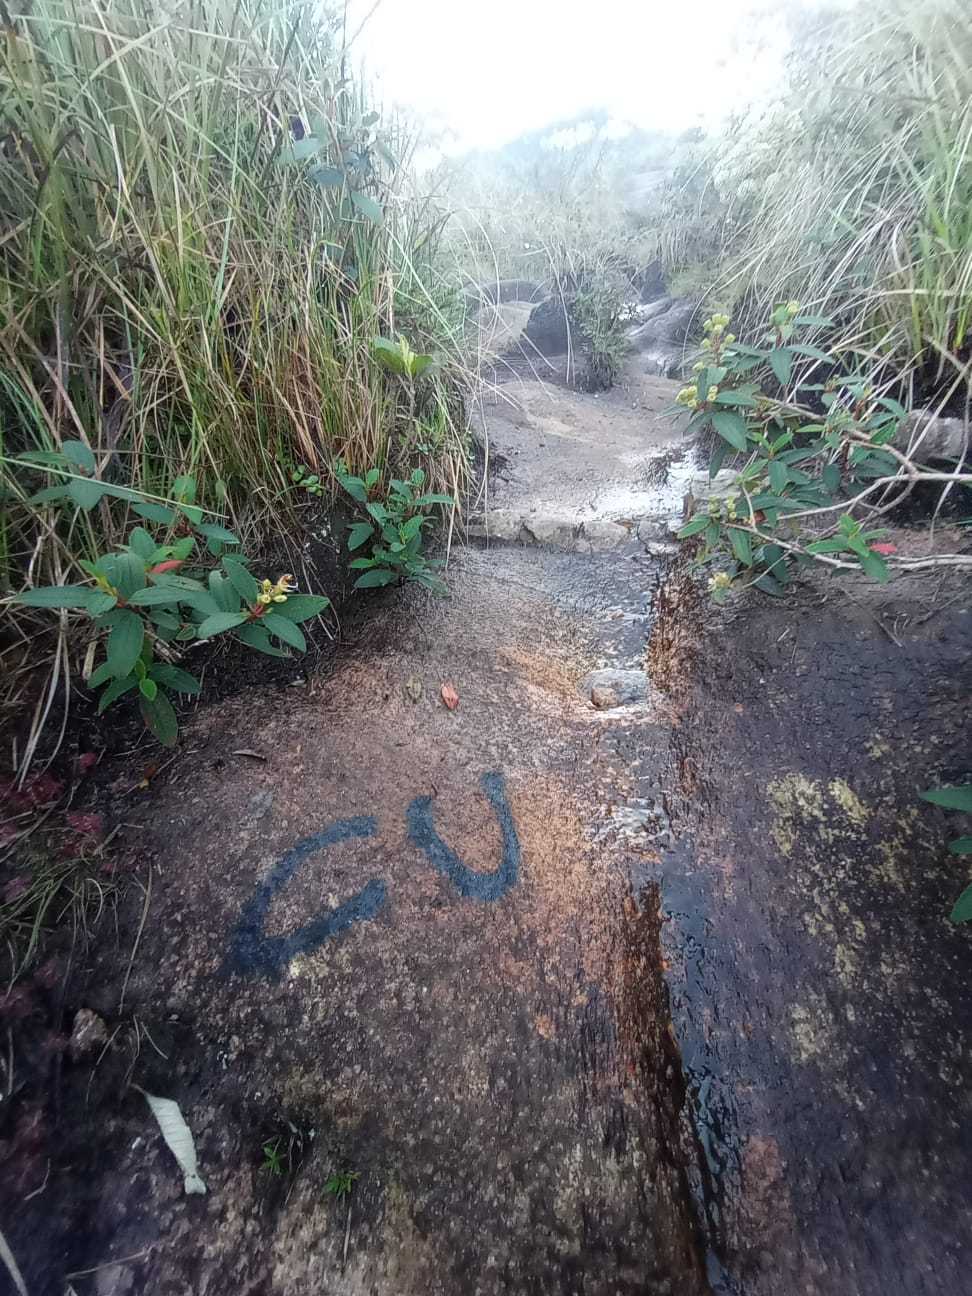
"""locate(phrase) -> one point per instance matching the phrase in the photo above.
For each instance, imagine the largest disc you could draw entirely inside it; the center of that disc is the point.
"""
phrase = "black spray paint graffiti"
(253, 954)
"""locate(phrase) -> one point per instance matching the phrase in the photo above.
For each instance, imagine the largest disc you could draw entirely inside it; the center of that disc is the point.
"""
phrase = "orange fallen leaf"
(450, 697)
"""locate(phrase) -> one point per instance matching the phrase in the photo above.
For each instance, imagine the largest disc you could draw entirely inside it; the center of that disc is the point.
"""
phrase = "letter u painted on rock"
(469, 883)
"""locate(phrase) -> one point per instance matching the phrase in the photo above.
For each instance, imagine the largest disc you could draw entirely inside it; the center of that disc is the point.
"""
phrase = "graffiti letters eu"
(251, 953)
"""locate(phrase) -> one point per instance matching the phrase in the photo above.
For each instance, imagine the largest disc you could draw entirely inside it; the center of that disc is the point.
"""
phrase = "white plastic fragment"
(178, 1137)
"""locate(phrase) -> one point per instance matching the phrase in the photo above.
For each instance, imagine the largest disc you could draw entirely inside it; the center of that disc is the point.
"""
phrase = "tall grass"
(174, 289)
(202, 231)
(854, 194)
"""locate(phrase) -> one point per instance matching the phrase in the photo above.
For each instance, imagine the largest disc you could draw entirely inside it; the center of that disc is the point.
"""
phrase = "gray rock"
(500, 291)
(603, 697)
(89, 1035)
(604, 535)
(557, 533)
(259, 804)
(926, 436)
(680, 322)
(624, 685)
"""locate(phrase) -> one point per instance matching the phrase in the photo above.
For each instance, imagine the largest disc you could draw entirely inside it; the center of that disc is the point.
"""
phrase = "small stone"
(260, 803)
(603, 696)
(89, 1035)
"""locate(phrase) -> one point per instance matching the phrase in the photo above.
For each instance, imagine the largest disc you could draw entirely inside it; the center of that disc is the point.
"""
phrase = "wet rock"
(499, 525)
(549, 328)
(642, 314)
(89, 1035)
(666, 339)
(680, 322)
(604, 535)
(558, 533)
(621, 685)
(115, 1280)
(602, 695)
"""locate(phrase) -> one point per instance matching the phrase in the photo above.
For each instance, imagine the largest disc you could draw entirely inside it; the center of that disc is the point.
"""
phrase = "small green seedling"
(275, 1159)
(311, 483)
(395, 530)
(339, 1183)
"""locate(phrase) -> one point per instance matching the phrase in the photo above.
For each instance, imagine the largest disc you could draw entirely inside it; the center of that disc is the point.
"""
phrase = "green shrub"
(203, 228)
(149, 600)
(394, 531)
(814, 464)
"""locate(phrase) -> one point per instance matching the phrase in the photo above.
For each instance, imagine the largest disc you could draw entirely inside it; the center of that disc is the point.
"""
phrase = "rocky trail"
(630, 974)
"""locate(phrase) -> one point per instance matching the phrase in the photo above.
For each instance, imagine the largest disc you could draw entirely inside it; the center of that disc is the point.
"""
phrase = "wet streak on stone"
(252, 954)
(469, 883)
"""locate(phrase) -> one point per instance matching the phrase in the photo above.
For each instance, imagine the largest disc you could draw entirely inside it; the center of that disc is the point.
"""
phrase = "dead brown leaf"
(450, 697)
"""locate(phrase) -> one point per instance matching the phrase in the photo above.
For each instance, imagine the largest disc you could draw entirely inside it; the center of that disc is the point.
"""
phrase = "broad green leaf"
(101, 603)
(360, 533)
(148, 688)
(377, 576)
(286, 630)
(243, 580)
(50, 493)
(57, 596)
(412, 527)
(168, 580)
(159, 716)
(420, 363)
(301, 150)
(953, 798)
(781, 362)
(830, 478)
(154, 596)
(77, 453)
(421, 501)
(742, 545)
(128, 574)
(154, 513)
(834, 545)
(962, 909)
(85, 492)
(731, 427)
(961, 846)
(692, 528)
(874, 565)
(254, 636)
(219, 623)
(114, 691)
(327, 177)
(125, 644)
(225, 595)
(99, 675)
(214, 532)
(142, 543)
(368, 207)
(171, 677)
(769, 585)
(740, 399)
(778, 476)
(301, 607)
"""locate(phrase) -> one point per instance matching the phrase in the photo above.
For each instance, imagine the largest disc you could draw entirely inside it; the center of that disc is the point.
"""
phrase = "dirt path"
(436, 948)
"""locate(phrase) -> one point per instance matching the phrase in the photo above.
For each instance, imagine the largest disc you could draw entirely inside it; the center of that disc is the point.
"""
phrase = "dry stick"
(6, 1255)
(138, 937)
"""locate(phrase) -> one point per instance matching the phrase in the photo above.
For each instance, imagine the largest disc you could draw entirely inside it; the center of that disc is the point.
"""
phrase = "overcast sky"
(485, 72)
